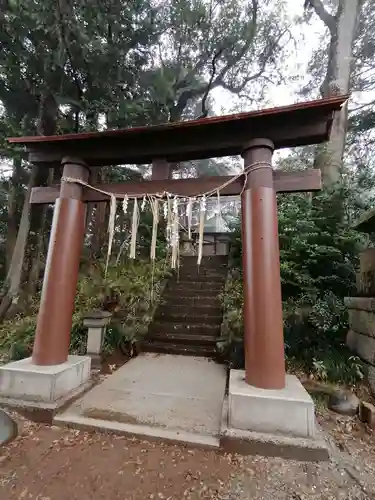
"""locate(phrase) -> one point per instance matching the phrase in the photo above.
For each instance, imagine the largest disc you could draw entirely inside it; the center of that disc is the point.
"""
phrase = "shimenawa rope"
(172, 218)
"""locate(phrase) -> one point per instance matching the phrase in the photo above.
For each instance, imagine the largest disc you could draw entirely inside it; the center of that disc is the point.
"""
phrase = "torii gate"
(253, 135)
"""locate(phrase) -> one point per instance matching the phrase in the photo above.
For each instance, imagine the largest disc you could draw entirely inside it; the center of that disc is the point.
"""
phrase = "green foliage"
(315, 331)
(16, 337)
(318, 253)
(232, 300)
(131, 291)
(318, 249)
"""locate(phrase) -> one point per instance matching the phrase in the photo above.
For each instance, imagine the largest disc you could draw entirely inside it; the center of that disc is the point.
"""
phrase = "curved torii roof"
(287, 126)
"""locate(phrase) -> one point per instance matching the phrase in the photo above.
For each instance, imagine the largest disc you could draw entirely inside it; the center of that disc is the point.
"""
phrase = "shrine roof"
(287, 126)
(366, 222)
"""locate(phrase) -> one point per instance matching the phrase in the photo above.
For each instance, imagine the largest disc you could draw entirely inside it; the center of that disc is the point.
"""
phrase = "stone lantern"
(96, 322)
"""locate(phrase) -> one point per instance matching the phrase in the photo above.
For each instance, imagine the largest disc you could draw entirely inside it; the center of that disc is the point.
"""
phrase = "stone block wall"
(361, 334)
(366, 275)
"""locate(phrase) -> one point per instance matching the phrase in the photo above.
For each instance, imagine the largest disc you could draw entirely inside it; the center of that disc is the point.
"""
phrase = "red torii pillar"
(54, 323)
(262, 309)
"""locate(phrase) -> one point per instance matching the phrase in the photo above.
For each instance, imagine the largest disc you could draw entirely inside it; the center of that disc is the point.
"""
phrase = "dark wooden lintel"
(175, 148)
(284, 182)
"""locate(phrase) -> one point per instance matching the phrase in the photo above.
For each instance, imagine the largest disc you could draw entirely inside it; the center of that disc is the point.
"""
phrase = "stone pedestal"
(96, 322)
(27, 384)
(288, 411)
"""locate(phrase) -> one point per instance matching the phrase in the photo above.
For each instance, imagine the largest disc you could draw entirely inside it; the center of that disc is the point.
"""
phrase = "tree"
(362, 117)
(341, 20)
(207, 44)
(48, 67)
(73, 65)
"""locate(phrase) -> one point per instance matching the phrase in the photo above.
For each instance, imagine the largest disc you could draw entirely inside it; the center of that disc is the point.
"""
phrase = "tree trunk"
(13, 219)
(12, 283)
(342, 28)
(36, 263)
(99, 236)
(90, 211)
(47, 125)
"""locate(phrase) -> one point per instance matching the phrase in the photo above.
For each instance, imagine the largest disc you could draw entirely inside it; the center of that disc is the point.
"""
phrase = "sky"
(296, 66)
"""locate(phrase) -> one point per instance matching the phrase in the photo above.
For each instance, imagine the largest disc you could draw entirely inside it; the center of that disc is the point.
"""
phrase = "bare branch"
(239, 88)
(322, 13)
(209, 86)
(232, 60)
(362, 106)
(66, 46)
(161, 55)
(269, 50)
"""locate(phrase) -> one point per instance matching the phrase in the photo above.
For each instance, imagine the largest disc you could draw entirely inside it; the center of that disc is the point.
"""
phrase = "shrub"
(318, 253)
(130, 291)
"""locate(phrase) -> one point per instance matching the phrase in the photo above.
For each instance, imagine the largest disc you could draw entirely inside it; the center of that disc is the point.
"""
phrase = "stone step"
(199, 278)
(208, 308)
(214, 286)
(184, 349)
(213, 260)
(192, 317)
(188, 320)
(195, 300)
(188, 339)
(182, 328)
(186, 294)
(193, 266)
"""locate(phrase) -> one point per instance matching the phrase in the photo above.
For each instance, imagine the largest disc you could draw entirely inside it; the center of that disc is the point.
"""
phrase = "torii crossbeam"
(253, 135)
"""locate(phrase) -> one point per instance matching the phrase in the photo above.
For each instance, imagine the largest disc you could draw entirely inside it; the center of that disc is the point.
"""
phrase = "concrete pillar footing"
(288, 411)
(25, 382)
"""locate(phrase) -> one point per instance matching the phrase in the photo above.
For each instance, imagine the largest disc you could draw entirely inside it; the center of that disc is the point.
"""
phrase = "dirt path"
(47, 463)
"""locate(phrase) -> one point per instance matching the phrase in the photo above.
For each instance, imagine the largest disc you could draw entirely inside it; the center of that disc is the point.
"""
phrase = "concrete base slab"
(170, 397)
(149, 433)
(288, 412)
(44, 386)
(163, 390)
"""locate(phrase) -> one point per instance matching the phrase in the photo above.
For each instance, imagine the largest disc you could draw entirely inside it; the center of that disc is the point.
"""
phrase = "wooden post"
(161, 170)
(54, 322)
(263, 321)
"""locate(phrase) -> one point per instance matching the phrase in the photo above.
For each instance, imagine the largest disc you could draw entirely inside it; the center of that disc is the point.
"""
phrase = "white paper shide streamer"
(202, 216)
(135, 223)
(170, 209)
(175, 239)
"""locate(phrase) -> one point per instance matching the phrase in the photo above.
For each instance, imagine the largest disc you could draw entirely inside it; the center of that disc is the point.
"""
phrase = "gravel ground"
(49, 463)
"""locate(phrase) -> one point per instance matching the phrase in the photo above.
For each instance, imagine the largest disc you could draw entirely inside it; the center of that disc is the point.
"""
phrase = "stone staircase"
(189, 317)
